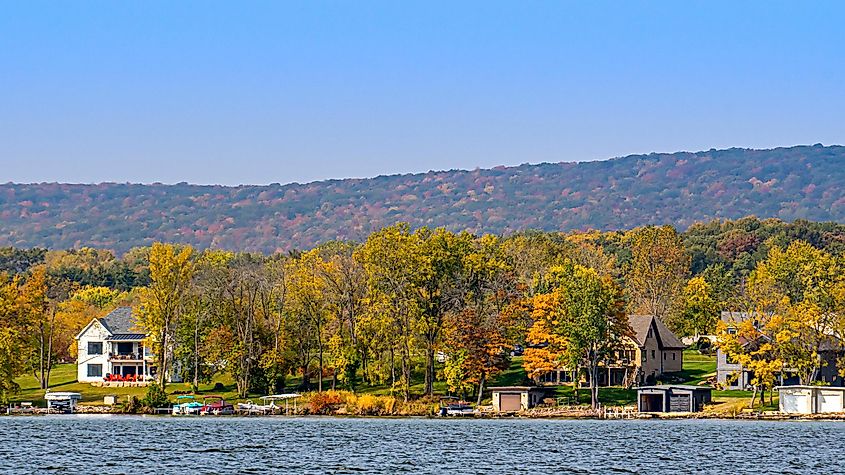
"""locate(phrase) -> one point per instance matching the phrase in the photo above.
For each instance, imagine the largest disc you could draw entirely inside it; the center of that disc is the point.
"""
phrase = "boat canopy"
(62, 396)
(277, 397)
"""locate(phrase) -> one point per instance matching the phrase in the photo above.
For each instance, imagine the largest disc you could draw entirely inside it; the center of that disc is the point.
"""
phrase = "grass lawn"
(63, 378)
(697, 368)
(513, 376)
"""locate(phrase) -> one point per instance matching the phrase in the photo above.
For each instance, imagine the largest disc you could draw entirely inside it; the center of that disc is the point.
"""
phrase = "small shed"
(62, 401)
(811, 399)
(516, 398)
(110, 400)
(672, 398)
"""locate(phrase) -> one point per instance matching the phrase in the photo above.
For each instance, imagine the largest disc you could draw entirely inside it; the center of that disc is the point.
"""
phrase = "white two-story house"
(113, 345)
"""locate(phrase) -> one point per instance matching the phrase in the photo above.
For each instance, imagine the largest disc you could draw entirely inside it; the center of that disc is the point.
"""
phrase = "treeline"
(385, 311)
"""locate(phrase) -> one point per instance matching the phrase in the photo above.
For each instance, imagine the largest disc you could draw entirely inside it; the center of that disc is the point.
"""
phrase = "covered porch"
(129, 360)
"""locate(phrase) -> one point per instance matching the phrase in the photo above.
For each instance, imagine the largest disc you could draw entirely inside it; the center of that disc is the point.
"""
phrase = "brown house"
(651, 351)
(658, 350)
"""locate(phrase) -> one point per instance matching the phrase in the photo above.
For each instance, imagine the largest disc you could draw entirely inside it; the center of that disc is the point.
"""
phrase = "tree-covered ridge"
(678, 189)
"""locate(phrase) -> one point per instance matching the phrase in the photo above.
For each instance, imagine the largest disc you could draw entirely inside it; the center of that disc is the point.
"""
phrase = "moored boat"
(451, 406)
(216, 405)
(188, 406)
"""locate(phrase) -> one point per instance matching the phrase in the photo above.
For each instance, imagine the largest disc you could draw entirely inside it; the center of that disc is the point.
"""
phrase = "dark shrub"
(155, 397)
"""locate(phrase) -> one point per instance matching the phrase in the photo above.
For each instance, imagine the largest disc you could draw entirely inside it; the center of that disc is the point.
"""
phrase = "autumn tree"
(162, 302)
(532, 254)
(246, 308)
(392, 258)
(586, 313)
(800, 287)
(700, 310)
(442, 254)
(276, 360)
(477, 337)
(658, 271)
(201, 315)
(588, 253)
(78, 310)
(310, 308)
(41, 307)
(751, 343)
(796, 294)
(346, 285)
(13, 347)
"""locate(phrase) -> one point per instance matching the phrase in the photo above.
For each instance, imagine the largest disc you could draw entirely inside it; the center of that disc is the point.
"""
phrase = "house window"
(124, 348)
(95, 347)
(649, 333)
(95, 371)
(653, 355)
(664, 356)
(673, 356)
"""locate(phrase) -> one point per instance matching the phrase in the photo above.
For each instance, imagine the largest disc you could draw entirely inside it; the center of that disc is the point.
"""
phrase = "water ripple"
(129, 445)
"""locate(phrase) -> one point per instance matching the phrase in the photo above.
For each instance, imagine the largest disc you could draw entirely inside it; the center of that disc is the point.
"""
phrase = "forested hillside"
(679, 189)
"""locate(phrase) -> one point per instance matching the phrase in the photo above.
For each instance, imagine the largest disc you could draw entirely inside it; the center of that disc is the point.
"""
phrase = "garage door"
(795, 403)
(830, 401)
(510, 402)
(679, 403)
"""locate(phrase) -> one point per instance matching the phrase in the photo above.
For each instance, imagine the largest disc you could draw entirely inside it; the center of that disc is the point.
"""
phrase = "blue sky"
(262, 92)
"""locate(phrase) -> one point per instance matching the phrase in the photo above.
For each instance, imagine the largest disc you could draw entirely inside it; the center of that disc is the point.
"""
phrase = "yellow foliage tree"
(658, 271)
(585, 314)
(171, 269)
(700, 310)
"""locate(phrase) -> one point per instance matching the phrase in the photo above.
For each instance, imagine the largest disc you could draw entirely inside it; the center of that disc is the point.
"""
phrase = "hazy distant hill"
(678, 188)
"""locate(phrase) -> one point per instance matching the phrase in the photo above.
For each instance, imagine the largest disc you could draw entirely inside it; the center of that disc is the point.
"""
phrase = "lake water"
(136, 445)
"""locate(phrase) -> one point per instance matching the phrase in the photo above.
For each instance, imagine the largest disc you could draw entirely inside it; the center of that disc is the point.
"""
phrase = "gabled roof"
(120, 321)
(640, 324)
(669, 339)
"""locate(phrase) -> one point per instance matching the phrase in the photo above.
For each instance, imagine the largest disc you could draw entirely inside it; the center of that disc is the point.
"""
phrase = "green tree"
(586, 312)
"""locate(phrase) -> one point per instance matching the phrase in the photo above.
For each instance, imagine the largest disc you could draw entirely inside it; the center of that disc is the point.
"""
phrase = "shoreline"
(832, 417)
